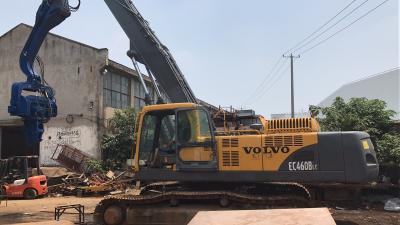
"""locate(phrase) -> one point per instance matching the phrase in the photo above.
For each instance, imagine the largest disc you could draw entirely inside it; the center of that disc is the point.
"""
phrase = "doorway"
(13, 143)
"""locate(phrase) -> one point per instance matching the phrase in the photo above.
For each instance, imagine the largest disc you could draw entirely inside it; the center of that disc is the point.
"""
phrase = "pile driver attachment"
(39, 105)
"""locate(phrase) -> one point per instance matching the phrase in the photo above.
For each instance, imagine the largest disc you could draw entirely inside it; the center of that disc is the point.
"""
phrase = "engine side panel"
(233, 155)
(260, 152)
(334, 157)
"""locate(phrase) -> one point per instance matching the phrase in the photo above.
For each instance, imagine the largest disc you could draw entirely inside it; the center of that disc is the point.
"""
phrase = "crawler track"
(113, 209)
(170, 196)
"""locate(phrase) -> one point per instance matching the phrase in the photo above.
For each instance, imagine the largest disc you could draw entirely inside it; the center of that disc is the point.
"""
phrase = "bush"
(94, 166)
(389, 148)
(117, 147)
(362, 114)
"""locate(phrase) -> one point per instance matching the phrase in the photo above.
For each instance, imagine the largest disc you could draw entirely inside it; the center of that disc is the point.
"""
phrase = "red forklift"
(21, 177)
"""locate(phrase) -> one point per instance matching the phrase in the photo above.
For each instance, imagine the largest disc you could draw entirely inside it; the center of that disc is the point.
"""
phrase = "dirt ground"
(365, 217)
(22, 211)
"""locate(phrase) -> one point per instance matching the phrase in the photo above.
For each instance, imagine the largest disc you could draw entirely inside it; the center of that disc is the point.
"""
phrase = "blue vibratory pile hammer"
(34, 100)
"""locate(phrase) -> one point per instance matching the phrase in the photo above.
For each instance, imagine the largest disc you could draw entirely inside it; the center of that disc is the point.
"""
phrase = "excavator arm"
(39, 105)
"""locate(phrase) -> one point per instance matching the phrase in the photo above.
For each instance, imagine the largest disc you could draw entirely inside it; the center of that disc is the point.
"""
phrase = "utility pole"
(291, 56)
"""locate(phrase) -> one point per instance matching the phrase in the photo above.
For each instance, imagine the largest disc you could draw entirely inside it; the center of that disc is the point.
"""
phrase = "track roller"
(114, 215)
(224, 202)
(173, 202)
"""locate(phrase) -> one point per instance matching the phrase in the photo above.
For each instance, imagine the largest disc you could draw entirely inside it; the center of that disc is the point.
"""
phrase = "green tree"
(362, 114)
(389, 146)
(117, 146)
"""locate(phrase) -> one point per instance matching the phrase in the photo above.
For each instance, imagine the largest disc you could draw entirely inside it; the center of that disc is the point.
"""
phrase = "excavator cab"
(175, 137)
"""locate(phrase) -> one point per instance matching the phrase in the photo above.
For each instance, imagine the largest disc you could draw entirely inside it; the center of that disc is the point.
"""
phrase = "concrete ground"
(39, 210)
(309, 216)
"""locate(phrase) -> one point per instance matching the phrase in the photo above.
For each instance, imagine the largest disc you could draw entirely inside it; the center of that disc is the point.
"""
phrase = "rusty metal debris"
(71, 158)
(81, 183)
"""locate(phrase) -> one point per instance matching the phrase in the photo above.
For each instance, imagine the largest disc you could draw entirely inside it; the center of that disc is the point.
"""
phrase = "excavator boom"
(148, 50)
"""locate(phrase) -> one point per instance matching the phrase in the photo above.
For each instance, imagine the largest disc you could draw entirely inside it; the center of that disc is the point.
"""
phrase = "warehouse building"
(89, 87)
(384, 86)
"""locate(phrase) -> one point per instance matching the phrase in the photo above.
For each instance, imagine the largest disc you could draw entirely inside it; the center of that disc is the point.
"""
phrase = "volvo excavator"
(179, 155)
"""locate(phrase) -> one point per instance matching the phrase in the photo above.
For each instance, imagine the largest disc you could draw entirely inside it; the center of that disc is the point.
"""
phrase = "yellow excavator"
(178, 142)
(180, 155)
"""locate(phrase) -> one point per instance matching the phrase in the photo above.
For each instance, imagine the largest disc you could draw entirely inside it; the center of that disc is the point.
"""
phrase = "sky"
(227, 48)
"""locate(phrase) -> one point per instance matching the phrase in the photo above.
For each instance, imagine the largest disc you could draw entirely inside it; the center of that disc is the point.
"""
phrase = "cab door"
(195, 140)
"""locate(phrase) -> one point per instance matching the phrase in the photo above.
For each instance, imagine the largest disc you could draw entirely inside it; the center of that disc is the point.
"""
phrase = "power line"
(257, 94)
(272, 84)
(263, 81)
(278, 70)
(326, 23)
(330, 27)
(270, 74)
(344, 28)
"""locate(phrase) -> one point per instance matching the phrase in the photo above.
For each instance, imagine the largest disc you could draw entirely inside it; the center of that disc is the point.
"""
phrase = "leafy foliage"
(389, 146)
(362, 114)
(117, 146)
(94, 166)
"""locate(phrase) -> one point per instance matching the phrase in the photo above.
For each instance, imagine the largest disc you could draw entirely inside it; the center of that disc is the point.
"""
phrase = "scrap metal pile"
(77, 181)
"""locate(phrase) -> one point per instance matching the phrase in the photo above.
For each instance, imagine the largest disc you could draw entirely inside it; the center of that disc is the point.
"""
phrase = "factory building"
(89, 88)
(384, 86)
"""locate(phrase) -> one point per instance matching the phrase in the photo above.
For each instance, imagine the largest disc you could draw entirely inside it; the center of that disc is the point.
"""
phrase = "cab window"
(147, 136)
(167, 132)
(157, 134)
(193, 127)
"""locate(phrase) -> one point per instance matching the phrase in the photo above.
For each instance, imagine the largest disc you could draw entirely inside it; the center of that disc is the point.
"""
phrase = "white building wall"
(384, 86)
(81, 134)
(74, 71)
